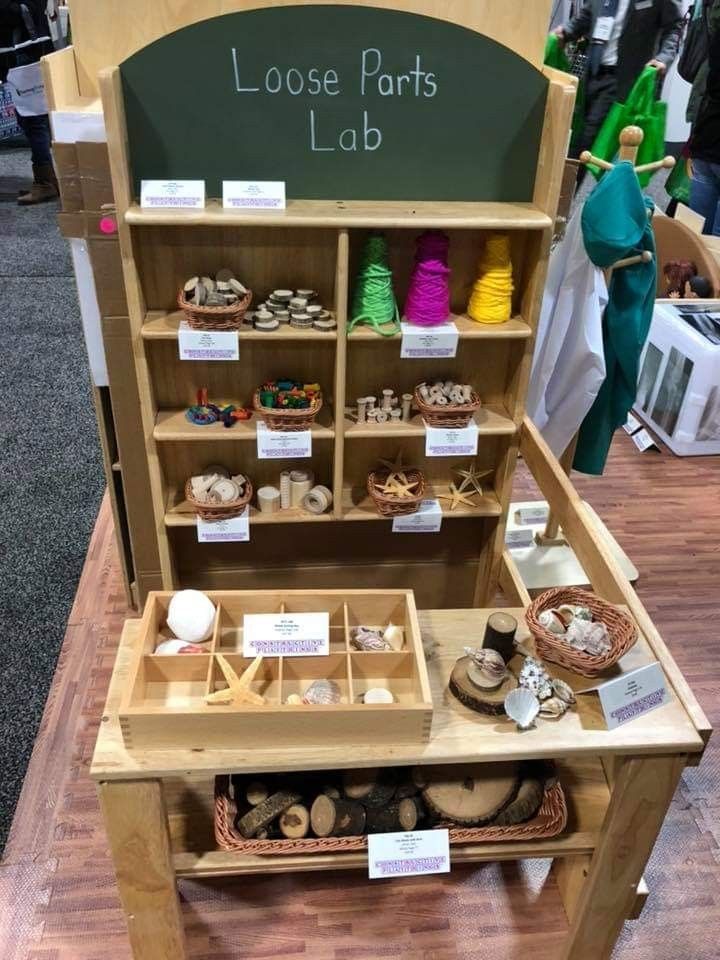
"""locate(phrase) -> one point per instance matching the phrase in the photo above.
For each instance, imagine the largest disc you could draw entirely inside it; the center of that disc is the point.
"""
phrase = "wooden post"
(137, 828)
(550, 535)
(641, 795)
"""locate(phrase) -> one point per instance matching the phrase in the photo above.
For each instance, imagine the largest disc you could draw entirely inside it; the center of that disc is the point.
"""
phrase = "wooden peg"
(630, 140)
(667, 163)
(587, 157)
(644, 257)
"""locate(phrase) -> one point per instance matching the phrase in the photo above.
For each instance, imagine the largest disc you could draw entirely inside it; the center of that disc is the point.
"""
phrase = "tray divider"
(346, 620)
(348, 656)
(214, 645)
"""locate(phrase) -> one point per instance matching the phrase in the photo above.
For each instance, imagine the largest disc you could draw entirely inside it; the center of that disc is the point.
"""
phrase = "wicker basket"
(214, 318)
(621, 630)
(392, 506)
(219, 511)
(549, 821)
(458, 415)
(288, 419)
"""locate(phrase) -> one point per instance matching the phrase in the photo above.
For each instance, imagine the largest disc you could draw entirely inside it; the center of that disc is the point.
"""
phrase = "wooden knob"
(631, 136)
(585, 157)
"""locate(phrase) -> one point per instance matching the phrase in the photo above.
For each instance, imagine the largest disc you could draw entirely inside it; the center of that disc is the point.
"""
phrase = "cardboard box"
(95, 181)
(67, 171)
(107, 267)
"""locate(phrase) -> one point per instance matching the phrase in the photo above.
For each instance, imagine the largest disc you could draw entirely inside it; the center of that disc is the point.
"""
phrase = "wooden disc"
(470, 794)
(483, 701)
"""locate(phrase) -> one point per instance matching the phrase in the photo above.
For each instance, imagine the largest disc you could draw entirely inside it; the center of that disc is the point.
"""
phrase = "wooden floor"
(57, 896)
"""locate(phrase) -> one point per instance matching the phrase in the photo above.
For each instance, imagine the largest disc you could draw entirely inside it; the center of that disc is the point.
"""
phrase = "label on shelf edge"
(631, 695)
(235, 530)
(420, 343)
(643, 441)
(410, 854)
(254, 194)
(207, 344)
(518, 537)
(161, 194)
(426, 519)
(531, 515)
(451, 441)
(631, 424)
(286, 635)
(282, 445)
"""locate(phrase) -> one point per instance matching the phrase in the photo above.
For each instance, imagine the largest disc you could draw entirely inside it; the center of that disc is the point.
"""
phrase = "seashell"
(566, 612)
(322, 692)
(365, 638)
(552, 622)
(583, 613)
(394, 636)
(191, 615)
(590, 637)
(553, 707)
(487, 669)
(522, 706)
(294, 700)
(563, 691)
(534, 677)
(168, 648)
(378, 695)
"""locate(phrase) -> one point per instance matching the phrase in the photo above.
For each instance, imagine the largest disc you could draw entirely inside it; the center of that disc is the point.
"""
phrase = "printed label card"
(413, 854)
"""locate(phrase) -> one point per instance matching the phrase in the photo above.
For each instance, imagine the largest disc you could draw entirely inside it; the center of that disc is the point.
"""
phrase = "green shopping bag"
(677, 184)
(555, 57)
(641, 109)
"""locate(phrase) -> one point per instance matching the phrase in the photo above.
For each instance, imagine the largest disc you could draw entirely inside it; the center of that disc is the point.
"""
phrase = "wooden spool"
(490, 702)
(470, 794)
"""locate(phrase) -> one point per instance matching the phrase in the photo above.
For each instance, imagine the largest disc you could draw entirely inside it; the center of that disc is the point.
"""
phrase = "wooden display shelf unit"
(164, 704)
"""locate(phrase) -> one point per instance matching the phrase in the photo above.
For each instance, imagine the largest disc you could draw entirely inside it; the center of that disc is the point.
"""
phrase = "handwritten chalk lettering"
(348, 139)
(415, 81)
(289, 80)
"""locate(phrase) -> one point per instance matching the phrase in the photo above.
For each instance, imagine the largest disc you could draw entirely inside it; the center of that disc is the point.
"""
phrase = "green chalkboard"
(340, 102)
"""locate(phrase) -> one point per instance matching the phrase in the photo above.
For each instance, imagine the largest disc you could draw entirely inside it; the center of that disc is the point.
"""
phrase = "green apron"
(616, 224)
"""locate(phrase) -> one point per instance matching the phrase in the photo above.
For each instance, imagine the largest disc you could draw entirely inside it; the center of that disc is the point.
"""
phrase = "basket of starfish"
(396, 490)
(446, 403)
(214, 304)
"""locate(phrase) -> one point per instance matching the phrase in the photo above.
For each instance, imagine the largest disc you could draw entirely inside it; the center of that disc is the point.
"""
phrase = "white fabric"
(569, 362)
(610, 53)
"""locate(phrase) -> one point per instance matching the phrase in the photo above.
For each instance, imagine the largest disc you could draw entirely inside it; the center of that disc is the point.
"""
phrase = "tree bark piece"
(396, 816)
(525, 805)
(295, 822)
(470, 794)
(337, 818)
(264, 813)
(490, 702)
(256, 792)
(373, 787)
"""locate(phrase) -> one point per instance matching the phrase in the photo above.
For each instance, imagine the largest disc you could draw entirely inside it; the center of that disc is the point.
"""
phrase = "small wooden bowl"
(288, 419)
(392, 506)
(621, 631)
(214, 318)
(458, 415)
(219, 511)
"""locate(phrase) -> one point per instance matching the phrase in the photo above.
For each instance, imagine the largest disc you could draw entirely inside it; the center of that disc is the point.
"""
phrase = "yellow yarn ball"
(491, 297)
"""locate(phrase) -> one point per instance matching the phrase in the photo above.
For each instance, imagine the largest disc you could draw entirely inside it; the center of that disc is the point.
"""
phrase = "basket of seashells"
(216, 495)
(218, 304)
(579, 631)
(446, 403)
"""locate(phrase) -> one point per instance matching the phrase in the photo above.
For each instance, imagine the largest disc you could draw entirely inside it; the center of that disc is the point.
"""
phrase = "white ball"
(191, 615)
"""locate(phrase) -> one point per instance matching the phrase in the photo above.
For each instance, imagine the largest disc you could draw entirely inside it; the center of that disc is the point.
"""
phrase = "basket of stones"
(218, 304)
(396, 490)
(445, 403)
(334, 811)
(299, 309)
(215, 494)
(288, 405)
(579, 631)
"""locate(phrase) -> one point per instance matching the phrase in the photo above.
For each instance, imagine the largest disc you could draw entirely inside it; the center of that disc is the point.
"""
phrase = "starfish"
(397, 467)
(396, 486)
(471, 477)
(456, 497)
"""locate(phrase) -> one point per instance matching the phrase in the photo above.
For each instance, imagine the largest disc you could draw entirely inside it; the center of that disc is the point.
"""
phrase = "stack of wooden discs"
(297, 308)
(482, 681)
(214, 304)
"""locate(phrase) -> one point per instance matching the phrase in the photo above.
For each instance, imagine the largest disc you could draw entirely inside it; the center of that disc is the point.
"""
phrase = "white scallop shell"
(522, 706)
(563, 690)
(554, 707)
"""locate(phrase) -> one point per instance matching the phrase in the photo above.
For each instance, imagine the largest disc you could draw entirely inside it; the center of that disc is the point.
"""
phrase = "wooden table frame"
(158, 805)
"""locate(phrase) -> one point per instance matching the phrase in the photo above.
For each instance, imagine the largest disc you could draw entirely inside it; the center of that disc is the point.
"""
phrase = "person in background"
(624, 36)
(705, 146)
(24, 38)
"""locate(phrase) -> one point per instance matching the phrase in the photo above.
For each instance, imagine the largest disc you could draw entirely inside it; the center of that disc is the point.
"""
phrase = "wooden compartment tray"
(163, 704)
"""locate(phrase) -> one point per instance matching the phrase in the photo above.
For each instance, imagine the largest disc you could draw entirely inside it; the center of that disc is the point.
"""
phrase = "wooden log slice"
(373, 787)
(256, 792)
(490, 702)
(264, 813)
(470, 794)
(395, 817)
(295, 822)
(525, 805)
(337, 818)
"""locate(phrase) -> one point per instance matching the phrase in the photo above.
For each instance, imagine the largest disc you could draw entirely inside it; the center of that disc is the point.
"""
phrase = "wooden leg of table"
(137, 828)
(570, 875)
(641, 795)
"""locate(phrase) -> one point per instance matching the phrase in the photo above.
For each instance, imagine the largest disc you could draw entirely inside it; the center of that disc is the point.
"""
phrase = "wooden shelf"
(491, 421)
(357, 505)
(513, 329)
(356, 213)
(179, 513)
(160, 325)
(174, 425)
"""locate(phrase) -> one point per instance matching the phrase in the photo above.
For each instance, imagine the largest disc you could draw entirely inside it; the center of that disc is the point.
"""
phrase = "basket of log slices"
(578, 630)
(214, 304)
(326, 811)
(216, 495)
(445, 403)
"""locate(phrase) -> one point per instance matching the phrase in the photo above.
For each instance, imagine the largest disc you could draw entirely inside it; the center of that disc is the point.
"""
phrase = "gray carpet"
(50, 465)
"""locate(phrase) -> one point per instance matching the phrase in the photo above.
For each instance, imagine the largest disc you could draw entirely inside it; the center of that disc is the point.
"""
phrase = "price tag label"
(632, 695)
(631, 424)
(411, 854)
(279, 445)
(159, 194)
(207, 344)
(643, 441)
(452, 441)
(532, 515)
(236, 530)
(520, 537)
(420, 343)
(254, 194)
(426, 519)
(286, 634)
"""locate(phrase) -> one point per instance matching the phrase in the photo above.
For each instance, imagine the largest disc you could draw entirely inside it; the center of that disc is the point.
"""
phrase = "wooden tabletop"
(458, 734)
